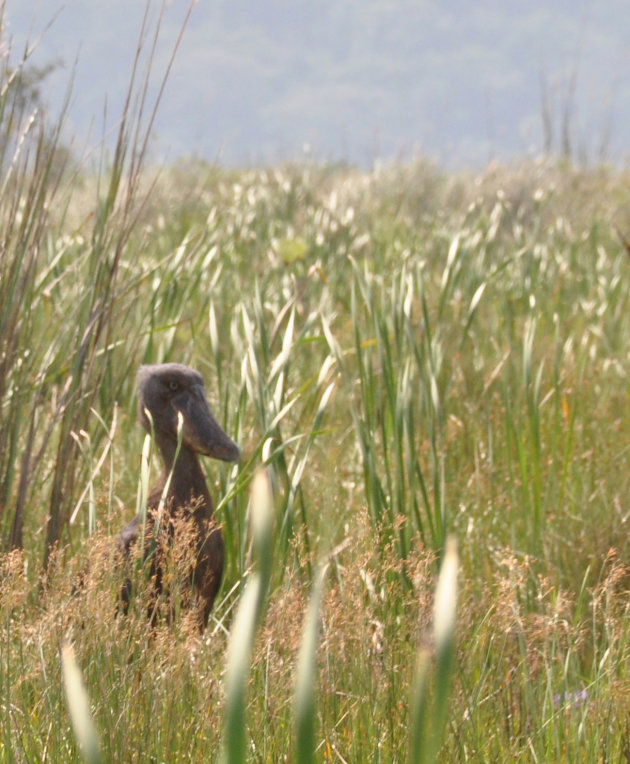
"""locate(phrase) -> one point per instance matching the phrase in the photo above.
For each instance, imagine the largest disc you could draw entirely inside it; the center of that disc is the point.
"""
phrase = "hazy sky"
(255, 81)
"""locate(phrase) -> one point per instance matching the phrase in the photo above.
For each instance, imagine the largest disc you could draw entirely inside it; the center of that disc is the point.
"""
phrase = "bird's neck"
(187, 480)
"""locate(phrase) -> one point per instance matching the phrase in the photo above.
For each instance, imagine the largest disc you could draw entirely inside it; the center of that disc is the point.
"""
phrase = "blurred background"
(457, 82)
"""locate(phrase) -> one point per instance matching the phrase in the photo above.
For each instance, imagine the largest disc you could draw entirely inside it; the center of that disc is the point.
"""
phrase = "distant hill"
(255, 82)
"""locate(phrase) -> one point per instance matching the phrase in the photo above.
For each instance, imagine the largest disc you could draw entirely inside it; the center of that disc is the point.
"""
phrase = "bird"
(172, 406)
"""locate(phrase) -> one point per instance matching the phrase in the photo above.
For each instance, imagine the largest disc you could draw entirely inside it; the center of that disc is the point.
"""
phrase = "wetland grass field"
(420, 361)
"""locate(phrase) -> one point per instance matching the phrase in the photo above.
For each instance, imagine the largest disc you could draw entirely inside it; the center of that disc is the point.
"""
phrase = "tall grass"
(246, 620)
(79, 707)
(410, 357)
(56, 335)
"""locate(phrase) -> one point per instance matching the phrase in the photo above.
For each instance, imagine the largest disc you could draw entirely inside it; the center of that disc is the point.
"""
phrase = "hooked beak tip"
(232, 454)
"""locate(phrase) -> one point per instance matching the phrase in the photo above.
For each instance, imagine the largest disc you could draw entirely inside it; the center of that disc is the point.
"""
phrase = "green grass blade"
(304, 705)
(79, 707)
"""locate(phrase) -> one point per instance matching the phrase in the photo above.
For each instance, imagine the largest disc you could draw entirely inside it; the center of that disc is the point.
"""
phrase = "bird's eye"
(173, 385)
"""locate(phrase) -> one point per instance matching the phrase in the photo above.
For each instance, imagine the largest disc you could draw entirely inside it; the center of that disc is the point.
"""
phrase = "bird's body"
(172, 396)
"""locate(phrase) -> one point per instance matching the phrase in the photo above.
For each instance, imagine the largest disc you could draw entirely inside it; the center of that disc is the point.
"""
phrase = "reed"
(410, 356)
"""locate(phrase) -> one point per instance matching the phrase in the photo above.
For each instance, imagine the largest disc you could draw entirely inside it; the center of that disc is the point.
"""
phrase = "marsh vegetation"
(411, 356)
